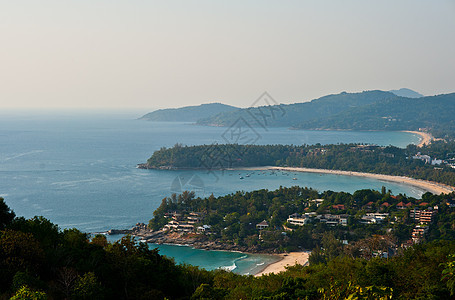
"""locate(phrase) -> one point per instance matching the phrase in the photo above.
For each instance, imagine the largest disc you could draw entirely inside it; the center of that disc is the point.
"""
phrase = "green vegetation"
(292, 114)
(188, 113)
(349, 157)
(233, 218)
(38, 261)
(370, 110)
(434, 113)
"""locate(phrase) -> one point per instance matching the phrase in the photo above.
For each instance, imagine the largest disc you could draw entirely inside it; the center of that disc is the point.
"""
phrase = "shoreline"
(430, 186)
(279, 265)
(425, 138)
(286, 260)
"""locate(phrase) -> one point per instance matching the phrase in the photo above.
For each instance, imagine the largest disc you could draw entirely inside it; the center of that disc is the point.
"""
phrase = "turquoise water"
(240, 263)
(79, 170)
(237, 262)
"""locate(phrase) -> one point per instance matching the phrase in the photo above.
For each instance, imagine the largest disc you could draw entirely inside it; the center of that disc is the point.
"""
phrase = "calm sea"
(79, 170)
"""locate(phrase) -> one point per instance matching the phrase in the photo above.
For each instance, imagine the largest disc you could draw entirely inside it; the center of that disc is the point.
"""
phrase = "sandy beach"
(425, 138)
(430, 186)
(287, 259)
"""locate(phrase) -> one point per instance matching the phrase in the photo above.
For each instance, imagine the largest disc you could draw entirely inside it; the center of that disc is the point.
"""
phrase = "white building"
(298, 220)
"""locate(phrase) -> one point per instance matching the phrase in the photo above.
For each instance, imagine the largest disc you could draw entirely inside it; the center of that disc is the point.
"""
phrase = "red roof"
(394, 197)
(401, 204)
(409, 204)
(370, 203)
(386, 204)
(338, 206)
(423, 204)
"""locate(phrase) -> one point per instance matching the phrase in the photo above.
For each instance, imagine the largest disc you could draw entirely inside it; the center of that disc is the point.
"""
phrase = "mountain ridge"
(367, 110)
(187, 113)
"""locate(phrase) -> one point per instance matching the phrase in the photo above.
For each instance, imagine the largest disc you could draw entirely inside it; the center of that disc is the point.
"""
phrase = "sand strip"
(425, 138)
(430, 186)
(287, 259)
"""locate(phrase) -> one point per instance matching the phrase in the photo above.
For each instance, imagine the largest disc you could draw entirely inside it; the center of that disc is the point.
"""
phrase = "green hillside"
(293, 114)
(188, 113)
(435, 113)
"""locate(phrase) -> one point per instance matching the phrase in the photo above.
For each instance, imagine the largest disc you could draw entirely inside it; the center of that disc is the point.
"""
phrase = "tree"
(332, 247)
(449, 274)
(88, 287)
(25, 293)
(19, 251)
(6, 214)
(207, 292)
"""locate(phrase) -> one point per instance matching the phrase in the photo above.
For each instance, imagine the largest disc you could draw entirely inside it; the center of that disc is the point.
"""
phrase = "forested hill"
(348, 157)
(188, 113)
(292, 114)
(435, 113)
(407, 93)
(369, 110)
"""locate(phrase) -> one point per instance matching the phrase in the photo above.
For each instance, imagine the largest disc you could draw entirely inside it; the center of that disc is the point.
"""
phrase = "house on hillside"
(262, 225)
(318, 202)
(401, 205)
(299, 220)
(203, 228)
(338, 207)
(425, 158)
(369, 205)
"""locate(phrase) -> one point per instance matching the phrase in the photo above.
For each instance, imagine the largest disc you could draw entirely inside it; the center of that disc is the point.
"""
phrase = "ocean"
(79, 170)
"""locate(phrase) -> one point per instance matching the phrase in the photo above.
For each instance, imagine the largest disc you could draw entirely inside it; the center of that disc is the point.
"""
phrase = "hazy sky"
(143, 53)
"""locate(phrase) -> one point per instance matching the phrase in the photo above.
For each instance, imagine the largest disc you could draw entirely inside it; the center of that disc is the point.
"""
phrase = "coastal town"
(383, 217)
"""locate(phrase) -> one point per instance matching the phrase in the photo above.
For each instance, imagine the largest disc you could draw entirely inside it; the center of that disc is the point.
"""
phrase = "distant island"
(401, 109)
(188, 113)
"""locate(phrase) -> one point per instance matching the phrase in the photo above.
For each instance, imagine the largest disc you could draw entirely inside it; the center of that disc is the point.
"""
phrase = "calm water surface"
(79, 170)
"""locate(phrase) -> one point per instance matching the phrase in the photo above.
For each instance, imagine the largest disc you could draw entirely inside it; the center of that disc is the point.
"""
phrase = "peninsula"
(431, 166)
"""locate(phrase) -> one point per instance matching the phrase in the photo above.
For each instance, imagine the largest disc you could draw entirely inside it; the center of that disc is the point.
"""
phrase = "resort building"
(297, 219)
(203, 228)
(318, 202)
(423, 216)
(333, 220)
(374, 218)
(262, 225)
(338, 207)
(418, 232)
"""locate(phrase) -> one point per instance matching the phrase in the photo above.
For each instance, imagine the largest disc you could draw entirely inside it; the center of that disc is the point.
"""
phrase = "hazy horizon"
(141, 56)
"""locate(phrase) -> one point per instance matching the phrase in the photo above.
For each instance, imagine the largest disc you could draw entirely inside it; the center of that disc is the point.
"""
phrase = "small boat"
(294, 178)
(241, 177)
(247, 175)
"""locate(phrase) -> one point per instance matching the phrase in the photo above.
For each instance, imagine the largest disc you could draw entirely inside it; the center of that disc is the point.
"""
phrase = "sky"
(111, 54)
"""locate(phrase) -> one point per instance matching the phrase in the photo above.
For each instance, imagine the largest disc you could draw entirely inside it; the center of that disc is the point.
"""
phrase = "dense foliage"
(370, 110)
(38, 261)
(350, 157)
(37, 258)
(233, 218)
(435, 113)
(287, 115)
